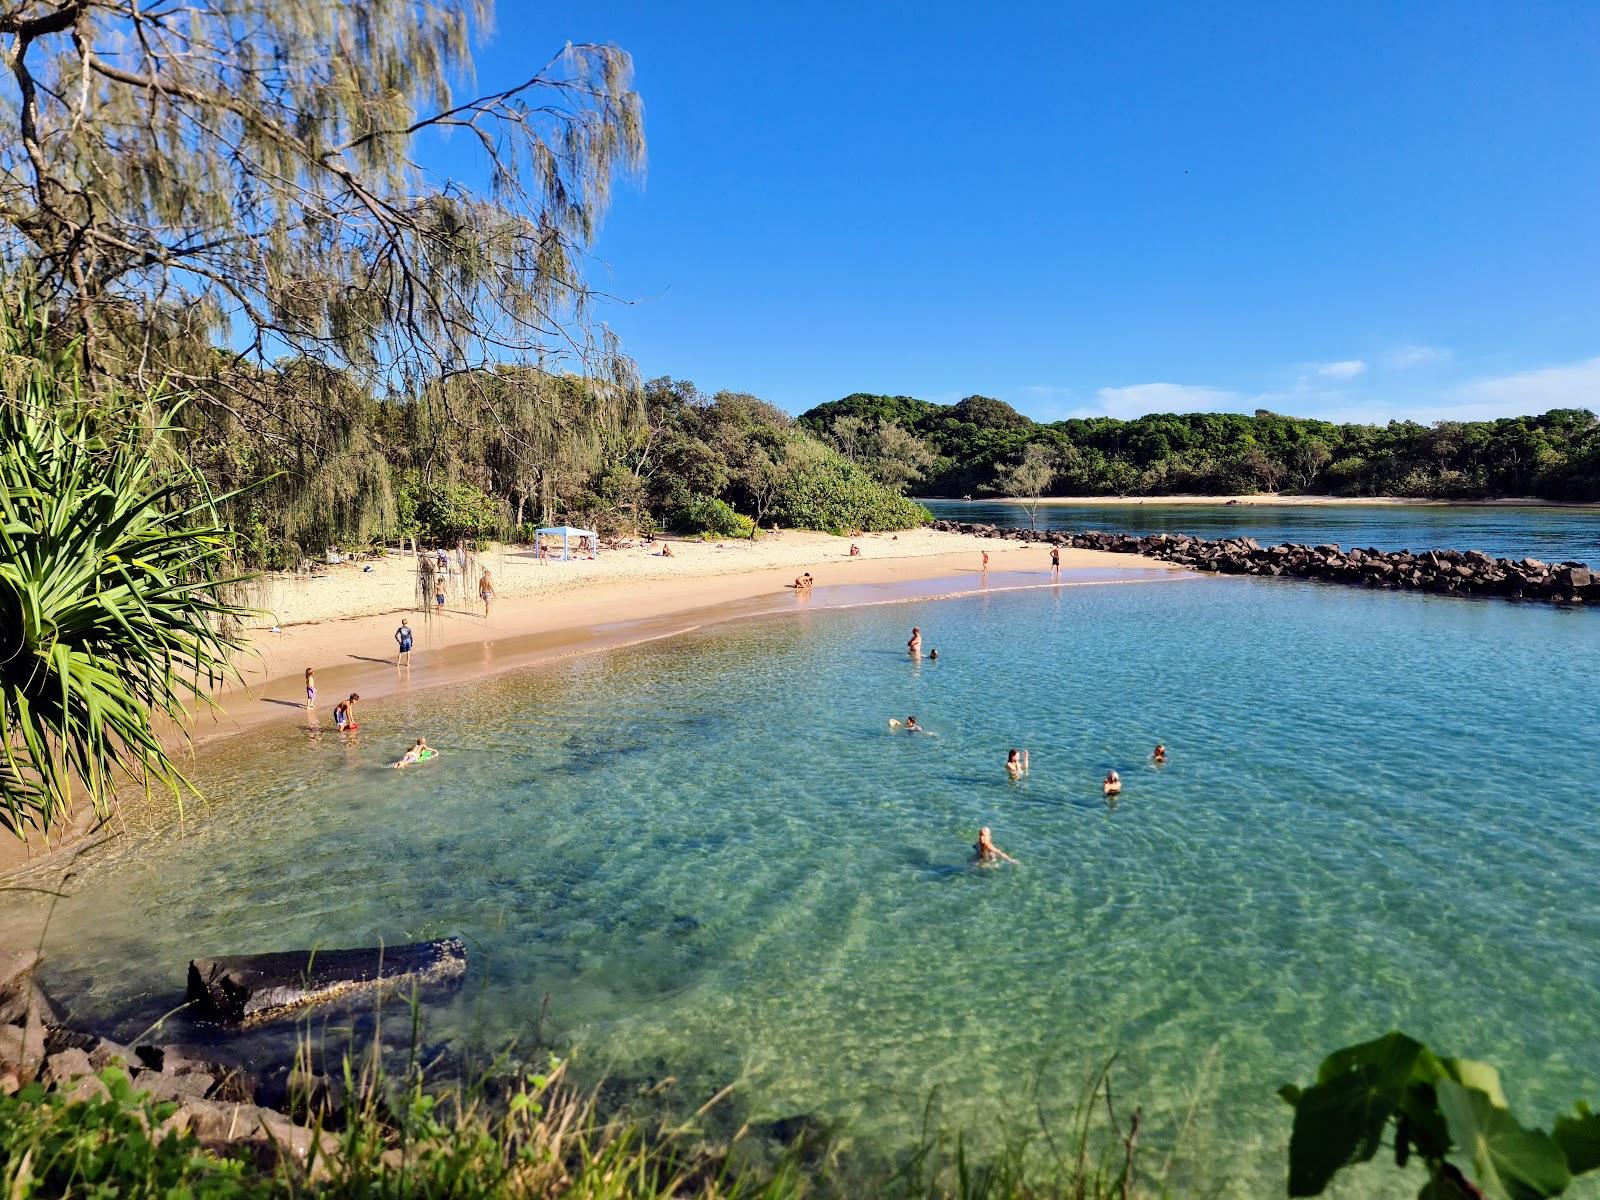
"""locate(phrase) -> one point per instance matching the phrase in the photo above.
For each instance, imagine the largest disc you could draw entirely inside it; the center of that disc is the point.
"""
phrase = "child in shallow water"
(985, 852)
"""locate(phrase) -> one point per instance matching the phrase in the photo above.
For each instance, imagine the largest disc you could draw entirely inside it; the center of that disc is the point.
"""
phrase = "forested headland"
(984, 446)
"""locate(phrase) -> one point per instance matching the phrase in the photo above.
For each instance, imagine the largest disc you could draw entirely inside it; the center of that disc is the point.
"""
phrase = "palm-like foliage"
(113, 595)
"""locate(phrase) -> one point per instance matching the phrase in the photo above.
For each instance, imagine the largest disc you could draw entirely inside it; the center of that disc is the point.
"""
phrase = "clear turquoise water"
(712, 855)
(1554, 535)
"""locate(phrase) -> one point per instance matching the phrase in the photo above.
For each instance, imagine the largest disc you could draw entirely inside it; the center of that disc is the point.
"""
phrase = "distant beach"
(1275, 498)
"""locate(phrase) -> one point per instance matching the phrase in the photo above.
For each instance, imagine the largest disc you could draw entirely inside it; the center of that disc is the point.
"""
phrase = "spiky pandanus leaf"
(114, 609)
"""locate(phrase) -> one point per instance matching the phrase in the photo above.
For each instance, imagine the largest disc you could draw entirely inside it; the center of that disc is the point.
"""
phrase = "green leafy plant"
(447, 513)
(708, 515)
(1448, 1113)
(52, 1146)
(114, 581)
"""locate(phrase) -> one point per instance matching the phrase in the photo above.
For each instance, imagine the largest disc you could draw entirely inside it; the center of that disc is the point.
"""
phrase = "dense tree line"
(982, 445)
(318, 461)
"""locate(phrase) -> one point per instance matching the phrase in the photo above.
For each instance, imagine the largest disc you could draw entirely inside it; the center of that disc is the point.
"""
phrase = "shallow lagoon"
(711, 851)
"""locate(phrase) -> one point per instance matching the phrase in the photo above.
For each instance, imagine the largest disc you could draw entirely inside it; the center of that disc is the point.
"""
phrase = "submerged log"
(247, 988)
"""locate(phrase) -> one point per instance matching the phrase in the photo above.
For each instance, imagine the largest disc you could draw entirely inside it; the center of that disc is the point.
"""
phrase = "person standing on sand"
(986, 561)
(486, 592)
(914, 646)
(311, 690)
(1055, 561)
(402, 638)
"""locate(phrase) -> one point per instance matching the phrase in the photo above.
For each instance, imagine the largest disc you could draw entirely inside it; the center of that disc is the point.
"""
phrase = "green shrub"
(823, 490)
(447, 513)
(707, 515)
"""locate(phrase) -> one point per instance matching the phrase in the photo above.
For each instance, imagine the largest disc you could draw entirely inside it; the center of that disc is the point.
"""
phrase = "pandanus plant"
(115, 614)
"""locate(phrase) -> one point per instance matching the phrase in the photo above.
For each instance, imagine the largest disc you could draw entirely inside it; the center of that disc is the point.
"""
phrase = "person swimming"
(1112, 784)
(933, 655)
(914, 646)
(909, 725)
(986, 853)
(414, 755)
(1017, 763)
(1160, 755)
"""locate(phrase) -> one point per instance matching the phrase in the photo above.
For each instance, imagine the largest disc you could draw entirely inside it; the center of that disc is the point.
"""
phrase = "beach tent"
(566, 533)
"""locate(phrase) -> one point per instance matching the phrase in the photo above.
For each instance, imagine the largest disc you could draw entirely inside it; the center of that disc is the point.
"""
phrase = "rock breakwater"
(1446, 572)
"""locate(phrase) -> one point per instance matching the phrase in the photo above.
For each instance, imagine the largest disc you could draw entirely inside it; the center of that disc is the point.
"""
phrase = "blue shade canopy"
(567, 531)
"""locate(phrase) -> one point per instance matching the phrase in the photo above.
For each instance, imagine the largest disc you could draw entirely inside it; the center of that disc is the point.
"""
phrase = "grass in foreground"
(539, 1138)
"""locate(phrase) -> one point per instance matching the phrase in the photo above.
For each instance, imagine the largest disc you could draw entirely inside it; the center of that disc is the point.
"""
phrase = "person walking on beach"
(914, 646)
(986, 562)
(311, 690)
(986, 853)
(1055, 561)
(1017, 763)
(486, 592)
(402, 638)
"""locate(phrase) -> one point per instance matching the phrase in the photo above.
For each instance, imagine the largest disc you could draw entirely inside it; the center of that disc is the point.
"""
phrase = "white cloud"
(1140, 399)
(1575, 385)
(1403, 358)
(1345, 369)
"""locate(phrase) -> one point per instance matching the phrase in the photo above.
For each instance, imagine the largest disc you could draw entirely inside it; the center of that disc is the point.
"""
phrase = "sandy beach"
(342, 622)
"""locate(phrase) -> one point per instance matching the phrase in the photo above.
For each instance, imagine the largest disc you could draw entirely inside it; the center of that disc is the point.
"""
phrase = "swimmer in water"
(914, 646)
(1112, 784)
(413, 755)
(1017, 763)
(909, 725)
(1160, 755)
(933, 655)
(985, 852)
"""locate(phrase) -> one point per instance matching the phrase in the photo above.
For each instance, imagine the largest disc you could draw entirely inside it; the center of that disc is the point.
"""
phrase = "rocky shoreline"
(1444, 572)
(225, 1108)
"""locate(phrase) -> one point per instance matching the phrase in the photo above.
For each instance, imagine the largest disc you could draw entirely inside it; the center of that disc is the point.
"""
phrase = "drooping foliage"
(113, 593)
(979, 441)
(250, 170)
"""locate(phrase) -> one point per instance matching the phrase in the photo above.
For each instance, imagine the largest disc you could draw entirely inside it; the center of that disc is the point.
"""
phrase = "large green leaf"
(1339, 1120)
(1579, 1139)
(1508, 1161)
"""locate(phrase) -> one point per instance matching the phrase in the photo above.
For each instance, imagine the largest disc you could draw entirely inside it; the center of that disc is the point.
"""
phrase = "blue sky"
(1355, 211)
